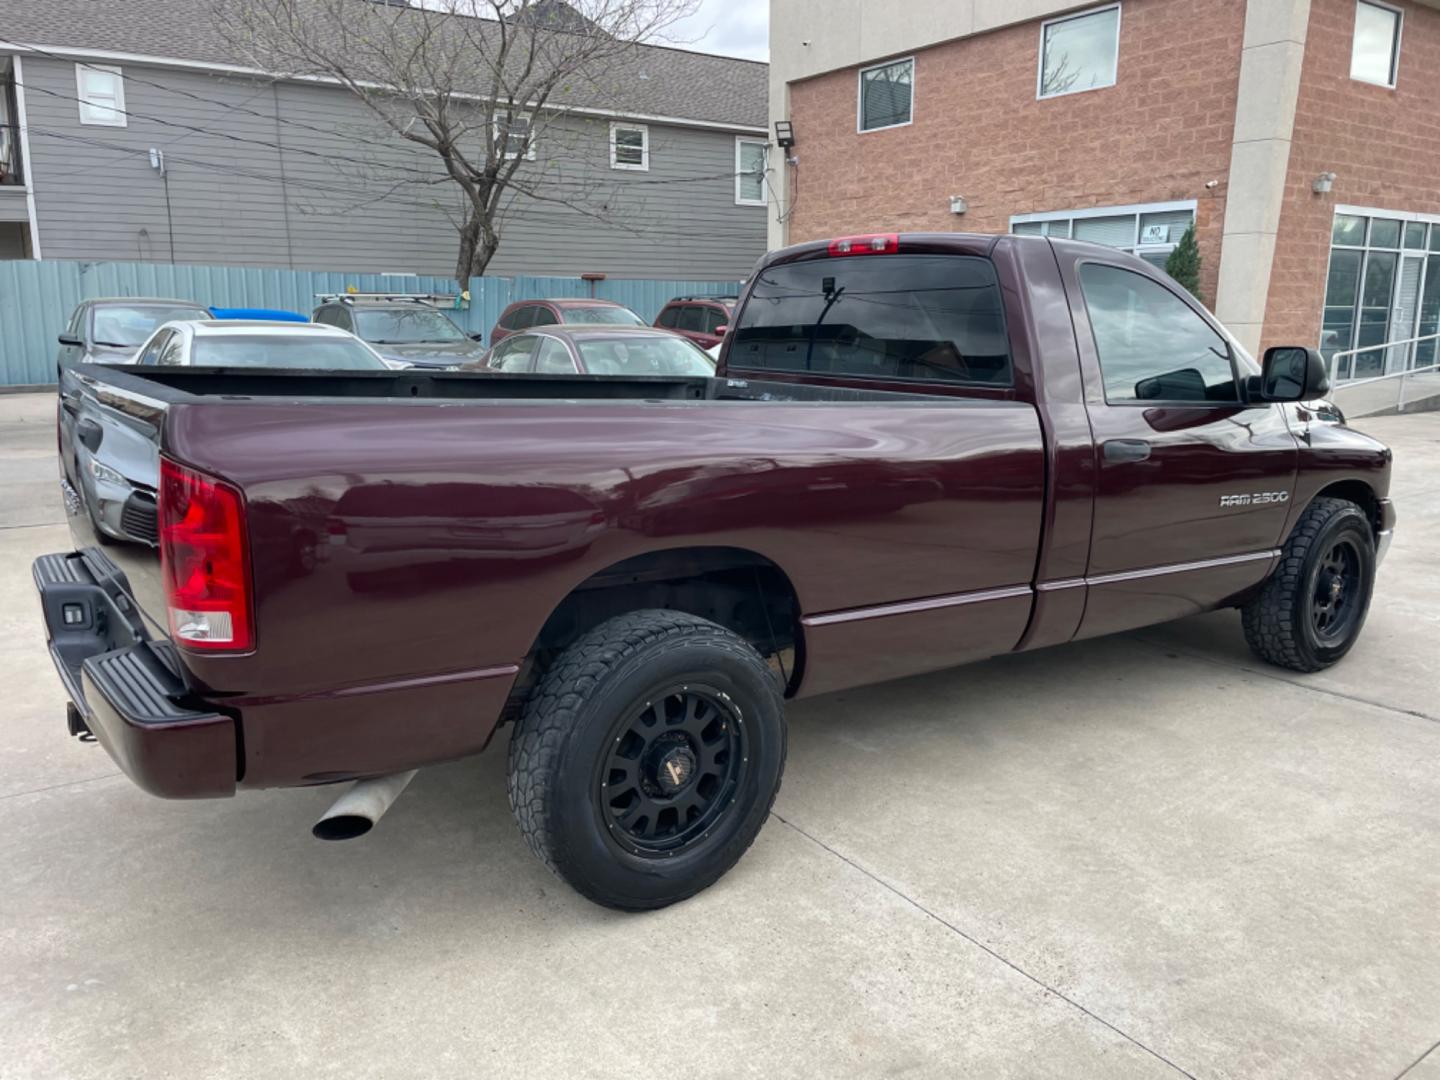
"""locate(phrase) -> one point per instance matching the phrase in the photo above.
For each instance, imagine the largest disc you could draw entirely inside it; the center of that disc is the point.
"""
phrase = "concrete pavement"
(1147, 855)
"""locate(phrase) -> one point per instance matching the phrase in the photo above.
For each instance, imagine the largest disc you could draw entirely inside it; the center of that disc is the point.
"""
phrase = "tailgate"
(126, 685)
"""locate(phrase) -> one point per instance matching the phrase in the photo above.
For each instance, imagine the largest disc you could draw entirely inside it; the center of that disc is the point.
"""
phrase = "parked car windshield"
(129, 325)
(294, 351)
(603, 316)
(406, 327)
(644, 356)
(924, 317)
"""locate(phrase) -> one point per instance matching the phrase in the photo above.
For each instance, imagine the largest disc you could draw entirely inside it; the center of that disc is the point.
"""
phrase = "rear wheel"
(648, 758)
(1312, 609)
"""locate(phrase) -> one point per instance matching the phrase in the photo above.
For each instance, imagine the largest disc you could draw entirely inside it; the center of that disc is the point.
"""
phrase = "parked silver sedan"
(596, 350)
(243, 343)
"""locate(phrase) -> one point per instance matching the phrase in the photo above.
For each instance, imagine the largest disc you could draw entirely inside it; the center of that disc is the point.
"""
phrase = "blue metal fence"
(36, 298)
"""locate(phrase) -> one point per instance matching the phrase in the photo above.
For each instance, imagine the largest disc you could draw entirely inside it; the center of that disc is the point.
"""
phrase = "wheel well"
(1358, 492)
(741, 590)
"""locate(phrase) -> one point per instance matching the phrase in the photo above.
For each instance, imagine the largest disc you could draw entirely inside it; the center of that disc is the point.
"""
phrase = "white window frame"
(1399, 14)
(860, 128)
(1137, 210)
(740, 200)
(1040, 95)
(104, 115)
(644, 130)
(504, 147)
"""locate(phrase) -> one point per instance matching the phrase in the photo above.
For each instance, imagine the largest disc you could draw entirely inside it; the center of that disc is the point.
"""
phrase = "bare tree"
(481, 84)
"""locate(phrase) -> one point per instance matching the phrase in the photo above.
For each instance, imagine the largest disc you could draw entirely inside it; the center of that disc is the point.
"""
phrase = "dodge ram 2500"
(917, 451)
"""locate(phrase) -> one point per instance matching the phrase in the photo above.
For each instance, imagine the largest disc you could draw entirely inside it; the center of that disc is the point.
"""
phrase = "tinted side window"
(1152, 345)
(692, 318)
(152, 351)
(668, 317)
(553, 359)
(714, 319)
(515, 354)
(170, 351)
(544, 317)
(936, 318)
(521, 318)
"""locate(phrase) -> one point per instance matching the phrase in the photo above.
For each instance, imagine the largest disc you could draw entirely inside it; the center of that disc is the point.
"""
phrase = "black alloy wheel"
(674, 766)
(1334, 603)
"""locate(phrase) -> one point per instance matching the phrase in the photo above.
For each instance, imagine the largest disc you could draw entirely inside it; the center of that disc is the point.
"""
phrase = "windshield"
(603, 316)
(124, 325)
(644, 356)
(293, 351)
(423, 325)
(922, 317)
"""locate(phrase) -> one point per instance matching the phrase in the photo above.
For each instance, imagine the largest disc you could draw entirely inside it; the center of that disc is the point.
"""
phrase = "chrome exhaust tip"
(363, 804)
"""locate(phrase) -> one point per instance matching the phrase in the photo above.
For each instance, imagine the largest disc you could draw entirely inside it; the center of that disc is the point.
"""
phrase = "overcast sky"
(732, 27)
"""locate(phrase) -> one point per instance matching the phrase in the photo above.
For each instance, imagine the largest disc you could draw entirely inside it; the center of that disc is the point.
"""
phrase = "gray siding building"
(132, 135)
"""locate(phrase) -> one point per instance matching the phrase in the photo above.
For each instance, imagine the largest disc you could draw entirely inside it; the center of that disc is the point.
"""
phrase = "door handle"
(1121, 450)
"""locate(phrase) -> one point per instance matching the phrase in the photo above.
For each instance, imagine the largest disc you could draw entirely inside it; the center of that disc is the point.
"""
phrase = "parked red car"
(699, 318)
(523, 314)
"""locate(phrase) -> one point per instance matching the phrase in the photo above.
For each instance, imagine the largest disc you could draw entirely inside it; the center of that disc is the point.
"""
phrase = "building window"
(630, 147)
(1383, 286)
(887, 94)
(101, 91)
(750, 180)
(514, 135)
(1375, 53)
(1079, 52)
(1148, 231)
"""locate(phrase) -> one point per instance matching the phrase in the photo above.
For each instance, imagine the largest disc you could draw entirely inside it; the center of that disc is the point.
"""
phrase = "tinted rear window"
(602, 316)
(290, 351)
(912, 317)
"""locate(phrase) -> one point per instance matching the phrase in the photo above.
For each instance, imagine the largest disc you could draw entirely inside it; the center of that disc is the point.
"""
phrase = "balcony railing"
(11, 168)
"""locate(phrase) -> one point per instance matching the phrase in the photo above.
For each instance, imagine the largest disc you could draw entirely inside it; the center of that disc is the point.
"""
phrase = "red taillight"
(874, 244)
(204, 560)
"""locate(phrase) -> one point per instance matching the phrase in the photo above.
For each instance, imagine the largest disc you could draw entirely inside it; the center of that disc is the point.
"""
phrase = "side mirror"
(1293, 373)
(90, 434)
(478, 336)
(723, 329)
(75, 342)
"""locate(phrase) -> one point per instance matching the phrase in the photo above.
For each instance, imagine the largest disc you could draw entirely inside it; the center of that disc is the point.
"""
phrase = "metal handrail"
(1335, 360)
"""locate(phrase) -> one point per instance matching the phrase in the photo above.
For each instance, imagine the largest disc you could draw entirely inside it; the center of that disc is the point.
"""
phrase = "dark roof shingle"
(657, 80)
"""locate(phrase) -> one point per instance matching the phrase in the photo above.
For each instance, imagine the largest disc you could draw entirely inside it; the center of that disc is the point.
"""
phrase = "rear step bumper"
(127, 687)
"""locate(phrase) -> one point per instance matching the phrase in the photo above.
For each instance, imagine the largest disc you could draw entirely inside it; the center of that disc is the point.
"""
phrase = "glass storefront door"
(1383, 285)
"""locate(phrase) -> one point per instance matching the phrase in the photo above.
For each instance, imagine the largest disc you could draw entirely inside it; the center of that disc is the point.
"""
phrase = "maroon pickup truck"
(917, 451)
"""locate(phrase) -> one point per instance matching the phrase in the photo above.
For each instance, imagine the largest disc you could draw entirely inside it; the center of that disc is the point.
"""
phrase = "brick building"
(1301, 137)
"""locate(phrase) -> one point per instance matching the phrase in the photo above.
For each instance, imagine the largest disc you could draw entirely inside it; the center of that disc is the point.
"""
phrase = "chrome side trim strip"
(908, 607)
(1062, 583)
(1181, 568)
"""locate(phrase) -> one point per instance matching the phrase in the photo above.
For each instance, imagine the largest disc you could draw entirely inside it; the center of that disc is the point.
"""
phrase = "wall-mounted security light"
(1323, 183)
(784, 134)
(958, 205)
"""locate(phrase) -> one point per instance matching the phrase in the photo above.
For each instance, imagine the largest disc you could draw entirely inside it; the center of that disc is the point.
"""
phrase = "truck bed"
(411, 534)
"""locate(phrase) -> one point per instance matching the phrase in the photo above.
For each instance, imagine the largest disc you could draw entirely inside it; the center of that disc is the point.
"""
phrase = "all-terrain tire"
(1279, 623)
(562, 745)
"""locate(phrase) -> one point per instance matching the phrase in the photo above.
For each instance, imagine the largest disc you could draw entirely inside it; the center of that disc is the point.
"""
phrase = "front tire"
(648, 758)
(1313, 608)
